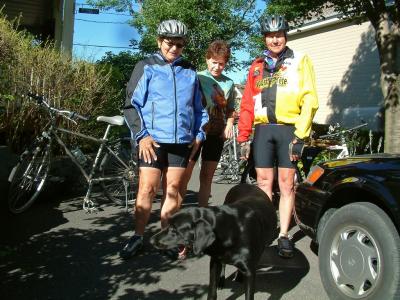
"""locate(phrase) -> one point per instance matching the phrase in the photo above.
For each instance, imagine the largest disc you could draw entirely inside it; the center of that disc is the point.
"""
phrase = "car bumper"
(309, 203)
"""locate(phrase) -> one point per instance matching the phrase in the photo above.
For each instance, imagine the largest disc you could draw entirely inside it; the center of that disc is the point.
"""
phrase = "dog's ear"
(204, 236)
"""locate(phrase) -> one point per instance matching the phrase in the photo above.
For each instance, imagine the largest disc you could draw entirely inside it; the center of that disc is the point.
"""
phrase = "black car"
(351, 209)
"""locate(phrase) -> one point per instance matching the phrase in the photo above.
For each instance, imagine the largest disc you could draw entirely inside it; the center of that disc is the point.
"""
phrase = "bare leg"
(206, 176)
(173, 177)
(185, 179)
(265, 180)
(149, 180)
(164, 187)
(287, 197)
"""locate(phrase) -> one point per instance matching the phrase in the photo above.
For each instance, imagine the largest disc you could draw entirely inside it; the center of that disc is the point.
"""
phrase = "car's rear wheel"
(359, 254)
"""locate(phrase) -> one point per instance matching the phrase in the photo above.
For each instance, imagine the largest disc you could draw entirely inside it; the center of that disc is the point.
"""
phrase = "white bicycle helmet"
(274, 23)
(172, 29)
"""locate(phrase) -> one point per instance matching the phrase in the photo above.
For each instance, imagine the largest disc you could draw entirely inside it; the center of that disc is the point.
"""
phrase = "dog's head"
(245, 190)
(190, 227)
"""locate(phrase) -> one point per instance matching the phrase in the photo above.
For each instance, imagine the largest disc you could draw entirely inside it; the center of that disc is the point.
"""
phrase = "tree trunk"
(392, 130)
(388, 42)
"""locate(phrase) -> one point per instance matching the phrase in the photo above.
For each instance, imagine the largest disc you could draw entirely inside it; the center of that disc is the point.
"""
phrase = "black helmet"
(274, 23)
(172, 29)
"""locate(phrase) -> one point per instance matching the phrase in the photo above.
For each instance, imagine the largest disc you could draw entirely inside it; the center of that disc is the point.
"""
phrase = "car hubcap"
(355, 262)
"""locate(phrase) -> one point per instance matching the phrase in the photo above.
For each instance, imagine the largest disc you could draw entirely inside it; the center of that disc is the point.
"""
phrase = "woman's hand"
(228, 132)
(245, 150)
(195, 145)
(146, 149)
(296, 149)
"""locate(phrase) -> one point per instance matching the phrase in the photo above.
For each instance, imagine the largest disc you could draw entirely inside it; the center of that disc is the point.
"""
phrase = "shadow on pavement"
(44, 255)
(275, 276)
(56, 251)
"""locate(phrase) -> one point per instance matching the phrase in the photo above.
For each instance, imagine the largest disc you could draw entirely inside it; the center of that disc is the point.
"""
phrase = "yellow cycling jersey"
(286, 96)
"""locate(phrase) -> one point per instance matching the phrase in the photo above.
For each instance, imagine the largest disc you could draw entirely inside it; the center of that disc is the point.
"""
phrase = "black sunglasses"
(171, 44)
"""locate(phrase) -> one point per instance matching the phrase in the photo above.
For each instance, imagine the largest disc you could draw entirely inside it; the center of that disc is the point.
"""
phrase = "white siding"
(346, 64)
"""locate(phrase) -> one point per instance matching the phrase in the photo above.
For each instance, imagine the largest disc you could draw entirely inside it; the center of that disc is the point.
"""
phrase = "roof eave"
(317, 24)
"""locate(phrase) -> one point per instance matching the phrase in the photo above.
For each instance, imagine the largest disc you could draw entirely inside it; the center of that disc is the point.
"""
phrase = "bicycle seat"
(115, 120)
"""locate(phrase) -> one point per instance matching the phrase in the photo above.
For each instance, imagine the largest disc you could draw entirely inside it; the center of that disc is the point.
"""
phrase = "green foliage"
(296, 11)
(207, 20)
(120, 66)
(361, 141)
(29, 66)
(257, 45)
(301, 11)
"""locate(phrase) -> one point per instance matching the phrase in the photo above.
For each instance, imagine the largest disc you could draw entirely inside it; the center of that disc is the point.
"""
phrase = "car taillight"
(315, 173)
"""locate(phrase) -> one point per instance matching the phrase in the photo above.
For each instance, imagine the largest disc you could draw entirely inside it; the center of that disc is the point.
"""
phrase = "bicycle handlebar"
(71, 115)
(342, 131)
(38, 98)
(75, 115)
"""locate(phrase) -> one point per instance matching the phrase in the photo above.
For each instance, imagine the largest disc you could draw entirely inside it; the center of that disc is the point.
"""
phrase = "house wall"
(36, 16)
(346, 64)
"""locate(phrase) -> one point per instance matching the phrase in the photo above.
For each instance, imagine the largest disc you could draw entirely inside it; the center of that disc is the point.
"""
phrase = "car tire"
(322, 223)
(359, 254)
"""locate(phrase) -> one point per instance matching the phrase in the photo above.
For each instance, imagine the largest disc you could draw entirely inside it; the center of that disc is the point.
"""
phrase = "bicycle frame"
(344, 151)
(88, 204)
(235, 134)
(103, 143)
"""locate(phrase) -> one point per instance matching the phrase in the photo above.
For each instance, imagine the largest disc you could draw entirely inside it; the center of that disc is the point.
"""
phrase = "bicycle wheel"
(29, 176)
(117, 174)
(224, 159)
(249, 173)
(227, 170)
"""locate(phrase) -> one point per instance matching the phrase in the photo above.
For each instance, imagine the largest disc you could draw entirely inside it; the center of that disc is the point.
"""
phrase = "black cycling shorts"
(211, 149)
(271, 145)
(169, 155)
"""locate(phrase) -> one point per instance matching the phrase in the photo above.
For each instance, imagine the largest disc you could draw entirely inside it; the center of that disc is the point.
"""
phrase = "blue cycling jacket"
(167, 100)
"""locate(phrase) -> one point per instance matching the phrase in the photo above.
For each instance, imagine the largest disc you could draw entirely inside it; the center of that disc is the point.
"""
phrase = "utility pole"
(67, 27)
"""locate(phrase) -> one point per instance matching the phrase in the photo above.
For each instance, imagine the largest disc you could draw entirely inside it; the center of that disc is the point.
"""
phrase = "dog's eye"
(173, 230)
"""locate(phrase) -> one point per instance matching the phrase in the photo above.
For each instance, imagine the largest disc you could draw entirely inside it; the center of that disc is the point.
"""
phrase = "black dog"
(235, 233)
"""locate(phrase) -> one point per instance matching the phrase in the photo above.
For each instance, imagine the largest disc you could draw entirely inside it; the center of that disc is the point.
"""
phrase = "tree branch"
(248, 8)
(243, 17)
(370, 12)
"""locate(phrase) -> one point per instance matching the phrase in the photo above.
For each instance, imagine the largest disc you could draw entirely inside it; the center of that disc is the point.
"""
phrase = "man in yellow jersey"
(280, 99)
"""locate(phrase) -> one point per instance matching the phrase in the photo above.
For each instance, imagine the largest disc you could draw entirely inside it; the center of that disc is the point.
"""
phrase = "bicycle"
(230, 165)
(113, 166)
(341, 145)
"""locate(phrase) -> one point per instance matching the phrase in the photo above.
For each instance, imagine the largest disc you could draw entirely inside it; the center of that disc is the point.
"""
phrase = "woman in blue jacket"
(164, 92)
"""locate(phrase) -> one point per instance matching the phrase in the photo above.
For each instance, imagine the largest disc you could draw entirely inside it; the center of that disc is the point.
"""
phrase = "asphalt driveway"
(57, 251)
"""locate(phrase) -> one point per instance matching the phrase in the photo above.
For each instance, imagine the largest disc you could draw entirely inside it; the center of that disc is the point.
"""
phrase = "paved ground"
(56, 251)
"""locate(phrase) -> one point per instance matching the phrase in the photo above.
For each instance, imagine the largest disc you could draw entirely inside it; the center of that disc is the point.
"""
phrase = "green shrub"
(361, 141)
(28, 65)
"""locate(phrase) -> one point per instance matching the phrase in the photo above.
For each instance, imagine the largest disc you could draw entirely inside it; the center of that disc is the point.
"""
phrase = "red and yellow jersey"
(286, 96)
